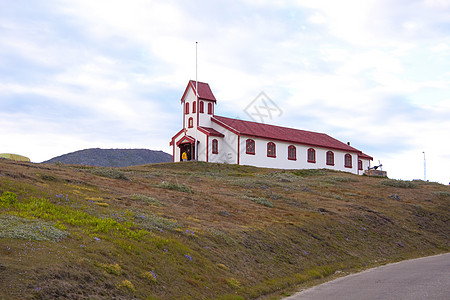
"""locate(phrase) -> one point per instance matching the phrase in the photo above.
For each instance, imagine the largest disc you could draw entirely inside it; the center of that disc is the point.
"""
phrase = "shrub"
(114, 269)
(259, 200)
(335, 179)
(8, 198)
(233, 283)
(399, 183)
(442, 194)
(150, 276)
(146, 199)
(109, 173)
(152, 222)
(309, 172)
(21, 228)
(127, 285)
(175, 187)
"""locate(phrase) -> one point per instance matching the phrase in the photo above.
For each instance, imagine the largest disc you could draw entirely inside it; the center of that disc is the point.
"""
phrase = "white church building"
(211, 138)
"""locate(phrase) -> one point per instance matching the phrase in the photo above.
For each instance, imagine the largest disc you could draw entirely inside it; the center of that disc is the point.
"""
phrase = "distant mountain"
(112, 157)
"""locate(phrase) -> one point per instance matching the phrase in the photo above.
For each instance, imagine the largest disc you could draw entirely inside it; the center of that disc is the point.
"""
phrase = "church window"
(187, 108)
(209, 108)
(292, 152)
(271, 150)
(202, 107)
(360, 164)
(194, 107)
(311, 155)
(191, 122)
(348, 160)
(250, 146)
(215, 146)
(330, 158)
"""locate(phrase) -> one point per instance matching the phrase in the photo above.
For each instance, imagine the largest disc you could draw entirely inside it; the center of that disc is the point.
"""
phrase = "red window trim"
(194, 107)
(295, 152)
(215, 146)
(274, 149)
(246, 146)
(360, 165)
(202, 107)
(190, 122)
(312, 151)
(187, 108)
(209, 108)
(350, 161)
(332, 158)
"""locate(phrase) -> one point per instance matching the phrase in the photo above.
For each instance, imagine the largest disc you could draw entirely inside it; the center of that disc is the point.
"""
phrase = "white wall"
(189, 98)
(205, 118)
(228, 146)
(281, 160)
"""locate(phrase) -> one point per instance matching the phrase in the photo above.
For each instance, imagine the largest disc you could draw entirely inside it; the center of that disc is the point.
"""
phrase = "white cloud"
(109, 73)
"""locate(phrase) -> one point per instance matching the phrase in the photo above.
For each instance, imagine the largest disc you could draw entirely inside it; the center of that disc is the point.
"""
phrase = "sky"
(78, 74)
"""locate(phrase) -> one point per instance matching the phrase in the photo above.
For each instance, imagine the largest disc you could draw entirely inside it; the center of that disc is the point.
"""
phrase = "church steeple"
(198, 106)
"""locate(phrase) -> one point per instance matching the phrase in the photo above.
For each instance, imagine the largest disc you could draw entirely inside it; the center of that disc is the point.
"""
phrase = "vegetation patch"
(259, 200)
(109, 173)
(146, 199)
(175, 187)
(442, 194)
(44, 209)
(114, 269)
(14, 227)
(310, 172)
(127, 285)
(399, 183)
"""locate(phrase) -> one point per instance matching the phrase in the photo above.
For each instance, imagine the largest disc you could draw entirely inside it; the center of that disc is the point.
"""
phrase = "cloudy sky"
(77, 74)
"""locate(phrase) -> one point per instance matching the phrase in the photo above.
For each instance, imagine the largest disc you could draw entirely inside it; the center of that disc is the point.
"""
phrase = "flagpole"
(197, 104)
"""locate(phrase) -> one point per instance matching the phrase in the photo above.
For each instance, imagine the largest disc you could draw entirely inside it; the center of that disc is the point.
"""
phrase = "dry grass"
(210, 231)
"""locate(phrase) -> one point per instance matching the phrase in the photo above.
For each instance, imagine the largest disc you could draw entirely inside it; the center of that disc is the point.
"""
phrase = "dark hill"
(112, 157)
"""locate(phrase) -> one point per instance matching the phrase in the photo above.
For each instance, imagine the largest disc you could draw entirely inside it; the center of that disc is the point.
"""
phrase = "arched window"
(215, 146)
(292, 152)
(348, 160)
(202, 107)
(194, 107)
(360, 164)
(271, 150)
(250, 146)
(191, 122)
(311, 155)
(209, 108)
(330, 158)
(186, 111)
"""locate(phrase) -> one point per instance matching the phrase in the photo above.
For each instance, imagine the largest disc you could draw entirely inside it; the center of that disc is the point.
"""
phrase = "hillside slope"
(203, 231)
(112, 157)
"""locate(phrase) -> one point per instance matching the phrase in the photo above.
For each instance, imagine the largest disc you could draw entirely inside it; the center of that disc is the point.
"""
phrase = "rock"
(395, 197)
(224, 213)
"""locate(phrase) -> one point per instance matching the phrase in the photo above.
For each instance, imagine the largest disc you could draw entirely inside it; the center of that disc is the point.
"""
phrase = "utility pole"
(424, 167)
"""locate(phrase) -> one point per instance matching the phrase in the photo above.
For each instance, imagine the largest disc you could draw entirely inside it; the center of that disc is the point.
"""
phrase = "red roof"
(204, 91)
(210, 131)
(272, 132)
(365, 156)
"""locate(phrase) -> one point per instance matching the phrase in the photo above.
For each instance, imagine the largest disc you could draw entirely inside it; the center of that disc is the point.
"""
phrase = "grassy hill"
(112, 157)
(203, 231)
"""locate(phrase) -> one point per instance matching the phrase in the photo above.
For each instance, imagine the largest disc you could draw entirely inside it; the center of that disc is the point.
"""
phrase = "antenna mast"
(424, 167)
